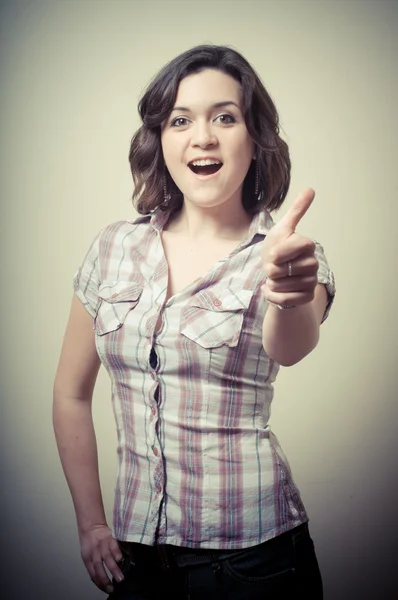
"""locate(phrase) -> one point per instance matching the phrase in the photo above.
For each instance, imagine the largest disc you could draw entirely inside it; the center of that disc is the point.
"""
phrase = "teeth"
(205, 163)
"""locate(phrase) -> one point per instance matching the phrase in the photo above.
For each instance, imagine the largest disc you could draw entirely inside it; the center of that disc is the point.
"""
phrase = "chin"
(209, 199)
(207, 202)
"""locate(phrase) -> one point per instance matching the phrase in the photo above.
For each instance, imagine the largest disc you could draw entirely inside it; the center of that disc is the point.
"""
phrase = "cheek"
(243, 148)
(165, 150)
(249, 149)
(172, 151)
(243, 156)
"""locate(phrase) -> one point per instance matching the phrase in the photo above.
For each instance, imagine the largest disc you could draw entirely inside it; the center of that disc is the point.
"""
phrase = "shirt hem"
(211, 545)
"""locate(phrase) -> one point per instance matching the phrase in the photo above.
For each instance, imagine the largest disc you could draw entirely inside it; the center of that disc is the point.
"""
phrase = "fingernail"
(120, 578)
(109, 589)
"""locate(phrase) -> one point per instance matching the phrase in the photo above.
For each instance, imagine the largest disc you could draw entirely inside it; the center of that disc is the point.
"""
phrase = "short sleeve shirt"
(198, 464)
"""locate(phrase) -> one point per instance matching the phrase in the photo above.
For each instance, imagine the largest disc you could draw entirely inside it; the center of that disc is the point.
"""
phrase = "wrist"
(84, 525)
(289, 335)
(282, 306)
(87, 528)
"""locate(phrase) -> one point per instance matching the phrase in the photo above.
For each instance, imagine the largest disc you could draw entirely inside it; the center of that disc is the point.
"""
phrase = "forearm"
(74, 431)
(290, 334)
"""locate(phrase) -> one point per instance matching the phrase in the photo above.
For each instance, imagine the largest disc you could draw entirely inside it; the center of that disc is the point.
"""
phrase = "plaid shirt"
(198, 463)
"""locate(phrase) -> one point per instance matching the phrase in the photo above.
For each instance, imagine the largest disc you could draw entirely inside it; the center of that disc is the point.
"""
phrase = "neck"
(204, 223)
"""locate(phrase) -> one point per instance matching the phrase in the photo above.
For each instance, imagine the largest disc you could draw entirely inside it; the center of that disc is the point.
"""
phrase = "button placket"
(158, 477)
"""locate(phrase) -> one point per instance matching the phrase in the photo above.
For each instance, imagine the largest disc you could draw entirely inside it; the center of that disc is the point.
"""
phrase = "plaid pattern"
(198, 463)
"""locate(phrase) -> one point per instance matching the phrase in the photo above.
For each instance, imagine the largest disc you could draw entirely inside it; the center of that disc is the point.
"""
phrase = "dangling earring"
(166, 193)
(257, 194)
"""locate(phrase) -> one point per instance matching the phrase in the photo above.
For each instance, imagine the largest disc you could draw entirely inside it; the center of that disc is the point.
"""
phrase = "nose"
(203, 135)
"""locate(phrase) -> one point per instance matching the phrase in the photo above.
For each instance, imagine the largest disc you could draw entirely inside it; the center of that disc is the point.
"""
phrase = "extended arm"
(291, 334)
(291, 268)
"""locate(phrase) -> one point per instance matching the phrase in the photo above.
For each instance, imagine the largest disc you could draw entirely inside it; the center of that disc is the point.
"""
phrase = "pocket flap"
(118, 299)
(120, 291)
(214, 316)
(221, 300)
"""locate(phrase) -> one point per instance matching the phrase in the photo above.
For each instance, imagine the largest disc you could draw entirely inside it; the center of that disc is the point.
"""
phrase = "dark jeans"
(282, 568)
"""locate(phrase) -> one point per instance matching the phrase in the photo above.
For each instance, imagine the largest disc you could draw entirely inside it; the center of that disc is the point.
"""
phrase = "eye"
(226, 119)
(179, 122)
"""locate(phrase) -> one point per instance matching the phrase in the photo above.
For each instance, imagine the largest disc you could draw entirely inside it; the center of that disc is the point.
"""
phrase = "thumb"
(296, 212)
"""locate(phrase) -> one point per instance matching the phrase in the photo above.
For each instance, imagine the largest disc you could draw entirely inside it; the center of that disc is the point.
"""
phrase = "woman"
(195, 303)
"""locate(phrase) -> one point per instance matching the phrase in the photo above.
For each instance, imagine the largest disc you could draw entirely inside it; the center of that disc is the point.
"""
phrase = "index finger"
(114, 559)
(115, 568)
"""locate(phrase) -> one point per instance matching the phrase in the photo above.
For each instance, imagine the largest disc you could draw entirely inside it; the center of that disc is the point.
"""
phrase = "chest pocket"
(117, 300)
(214, 317)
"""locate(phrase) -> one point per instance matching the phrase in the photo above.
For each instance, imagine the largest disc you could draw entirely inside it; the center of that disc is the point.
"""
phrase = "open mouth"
(205, 167)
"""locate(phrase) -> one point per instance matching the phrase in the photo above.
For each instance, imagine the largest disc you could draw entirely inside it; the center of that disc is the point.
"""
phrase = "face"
(206, 146)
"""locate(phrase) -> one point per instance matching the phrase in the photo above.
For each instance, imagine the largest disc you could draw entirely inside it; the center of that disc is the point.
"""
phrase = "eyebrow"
(216, 105)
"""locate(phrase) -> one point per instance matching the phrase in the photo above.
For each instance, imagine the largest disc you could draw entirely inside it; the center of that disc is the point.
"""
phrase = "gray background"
(71, 75)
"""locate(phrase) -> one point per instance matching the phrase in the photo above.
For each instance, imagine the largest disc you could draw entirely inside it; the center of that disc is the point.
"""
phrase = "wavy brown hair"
(148, 168)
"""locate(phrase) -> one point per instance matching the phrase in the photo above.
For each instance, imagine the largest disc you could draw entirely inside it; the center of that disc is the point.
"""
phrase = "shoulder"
(127, 225)
(114, 232)
(122, 246)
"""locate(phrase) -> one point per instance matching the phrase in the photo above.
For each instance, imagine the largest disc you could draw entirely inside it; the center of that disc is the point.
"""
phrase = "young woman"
(195, 304)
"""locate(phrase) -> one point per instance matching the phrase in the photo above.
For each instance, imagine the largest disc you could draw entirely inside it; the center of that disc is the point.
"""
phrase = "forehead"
(206, 88)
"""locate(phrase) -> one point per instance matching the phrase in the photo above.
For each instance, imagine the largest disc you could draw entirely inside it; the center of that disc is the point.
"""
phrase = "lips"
(206, 170)
(205, 166)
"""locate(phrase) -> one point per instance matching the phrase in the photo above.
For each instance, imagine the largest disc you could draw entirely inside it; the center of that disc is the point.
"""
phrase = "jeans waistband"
(170, 557)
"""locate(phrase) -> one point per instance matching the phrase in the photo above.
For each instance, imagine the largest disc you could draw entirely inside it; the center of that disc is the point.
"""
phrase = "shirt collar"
(261, 222)
(157, 219)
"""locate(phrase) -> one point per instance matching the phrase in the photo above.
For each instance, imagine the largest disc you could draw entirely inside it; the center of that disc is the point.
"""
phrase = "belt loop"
(164, 559)
(127, 554)
(215, 564)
